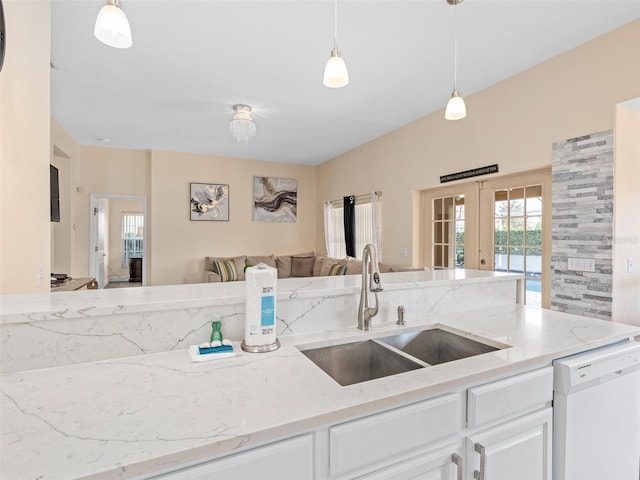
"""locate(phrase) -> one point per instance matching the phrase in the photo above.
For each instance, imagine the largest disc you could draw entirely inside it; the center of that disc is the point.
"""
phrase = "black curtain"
(350, 225)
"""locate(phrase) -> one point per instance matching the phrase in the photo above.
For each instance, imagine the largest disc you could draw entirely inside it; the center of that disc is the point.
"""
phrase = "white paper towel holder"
(260, 348)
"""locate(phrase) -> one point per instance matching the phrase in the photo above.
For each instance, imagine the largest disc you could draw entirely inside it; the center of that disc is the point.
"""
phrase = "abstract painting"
(275, 199)
(209, 201)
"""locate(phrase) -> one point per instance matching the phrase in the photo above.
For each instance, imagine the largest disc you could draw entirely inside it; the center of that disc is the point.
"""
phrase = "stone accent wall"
(582, 224)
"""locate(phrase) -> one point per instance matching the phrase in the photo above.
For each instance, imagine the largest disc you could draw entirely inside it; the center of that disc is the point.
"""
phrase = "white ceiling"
(191, 61)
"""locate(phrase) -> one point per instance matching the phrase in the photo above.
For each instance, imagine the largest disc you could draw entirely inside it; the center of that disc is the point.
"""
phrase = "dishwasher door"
(596, 406)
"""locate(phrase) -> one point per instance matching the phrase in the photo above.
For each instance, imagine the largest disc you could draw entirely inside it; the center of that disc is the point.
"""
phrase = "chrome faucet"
(370, 282)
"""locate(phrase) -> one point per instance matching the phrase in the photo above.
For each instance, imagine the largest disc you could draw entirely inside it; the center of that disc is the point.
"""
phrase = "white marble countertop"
(126, 417)
(86, 303)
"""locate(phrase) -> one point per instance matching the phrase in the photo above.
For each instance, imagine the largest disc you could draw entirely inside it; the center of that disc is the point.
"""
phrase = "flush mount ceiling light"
(335, 72)
(456, 109)
(112, 27)
(242, 127)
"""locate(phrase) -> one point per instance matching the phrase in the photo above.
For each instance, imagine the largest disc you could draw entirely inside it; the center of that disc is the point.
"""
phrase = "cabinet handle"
(457, 459)
(479, 475)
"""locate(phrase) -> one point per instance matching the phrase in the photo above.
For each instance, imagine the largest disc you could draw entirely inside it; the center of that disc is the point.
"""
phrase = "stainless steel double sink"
(356, 362)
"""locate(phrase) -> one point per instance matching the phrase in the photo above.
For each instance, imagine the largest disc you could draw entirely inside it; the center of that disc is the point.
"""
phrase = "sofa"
(225, 269)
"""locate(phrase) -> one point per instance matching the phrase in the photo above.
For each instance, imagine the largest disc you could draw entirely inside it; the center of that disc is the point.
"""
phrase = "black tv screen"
(54, 189)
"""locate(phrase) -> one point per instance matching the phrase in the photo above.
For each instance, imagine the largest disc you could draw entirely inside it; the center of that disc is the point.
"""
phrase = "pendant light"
(242, 127)
(112, 27)
(335, 72)
(456, 109)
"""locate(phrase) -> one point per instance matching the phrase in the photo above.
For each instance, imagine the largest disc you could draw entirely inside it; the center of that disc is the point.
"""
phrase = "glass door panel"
(517, 241)
(448, 225)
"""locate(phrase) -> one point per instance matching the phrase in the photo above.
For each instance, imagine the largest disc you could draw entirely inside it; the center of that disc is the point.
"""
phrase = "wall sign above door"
(475, 172)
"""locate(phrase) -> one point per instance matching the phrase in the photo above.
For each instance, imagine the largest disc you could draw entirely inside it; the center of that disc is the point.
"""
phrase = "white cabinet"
(507, 435)
(286, 460)
(518, 449)
(512, 418)
(440, 464)
(367, 444)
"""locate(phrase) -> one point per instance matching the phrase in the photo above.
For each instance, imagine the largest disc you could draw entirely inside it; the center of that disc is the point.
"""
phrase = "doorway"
(114, 249)
(500, 224)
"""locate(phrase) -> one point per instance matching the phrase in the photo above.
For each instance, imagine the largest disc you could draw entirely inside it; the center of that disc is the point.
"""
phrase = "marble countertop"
(19, 308)
(125, 417)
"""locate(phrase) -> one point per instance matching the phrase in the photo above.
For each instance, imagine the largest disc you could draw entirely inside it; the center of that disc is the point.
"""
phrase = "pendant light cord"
(335, 25)
(455, 46)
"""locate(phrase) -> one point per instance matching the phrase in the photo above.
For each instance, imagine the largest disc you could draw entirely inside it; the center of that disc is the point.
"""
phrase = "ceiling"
(191, 61)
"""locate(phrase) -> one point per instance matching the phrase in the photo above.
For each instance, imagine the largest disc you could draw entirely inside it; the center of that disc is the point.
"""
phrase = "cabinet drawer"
(381, 439)
(510, 396)
(288, 459)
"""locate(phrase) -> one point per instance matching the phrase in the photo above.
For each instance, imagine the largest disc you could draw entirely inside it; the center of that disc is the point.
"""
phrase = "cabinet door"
(369, 444)
(286, 460)
(518, 449)
(437, 465)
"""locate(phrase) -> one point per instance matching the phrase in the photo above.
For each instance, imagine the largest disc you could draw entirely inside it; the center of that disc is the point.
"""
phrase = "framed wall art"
(209, 202)
(275, 199)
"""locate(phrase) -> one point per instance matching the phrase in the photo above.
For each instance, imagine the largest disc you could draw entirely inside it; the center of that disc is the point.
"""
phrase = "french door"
(500, 224)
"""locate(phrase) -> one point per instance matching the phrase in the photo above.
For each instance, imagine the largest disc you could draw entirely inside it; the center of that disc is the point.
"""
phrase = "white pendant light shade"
(335, 72)
(456, 109)
(242, 127)
(112, 27)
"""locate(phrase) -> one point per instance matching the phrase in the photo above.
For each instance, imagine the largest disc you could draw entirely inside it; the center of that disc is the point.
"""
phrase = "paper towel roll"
(260, 305)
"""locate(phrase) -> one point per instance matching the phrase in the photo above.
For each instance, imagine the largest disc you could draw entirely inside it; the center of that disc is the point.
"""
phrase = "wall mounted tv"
(54, 190)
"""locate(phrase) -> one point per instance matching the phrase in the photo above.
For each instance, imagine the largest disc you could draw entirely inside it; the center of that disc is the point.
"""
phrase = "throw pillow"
(238, 261)
(354, 267)
(226, 269)
(284, 263)
(323, 266)
(337, 269)
(266, 259)
(302, 266)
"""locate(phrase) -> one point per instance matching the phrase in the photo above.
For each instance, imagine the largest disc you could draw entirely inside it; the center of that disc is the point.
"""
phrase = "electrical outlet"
(403, 252)
(630, 265)
(39, 276)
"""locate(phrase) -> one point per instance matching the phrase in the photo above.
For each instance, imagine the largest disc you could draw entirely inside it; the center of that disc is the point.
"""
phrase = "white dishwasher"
(596, 414)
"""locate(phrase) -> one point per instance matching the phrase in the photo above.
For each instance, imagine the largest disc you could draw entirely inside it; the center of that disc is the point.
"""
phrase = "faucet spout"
(370, 283)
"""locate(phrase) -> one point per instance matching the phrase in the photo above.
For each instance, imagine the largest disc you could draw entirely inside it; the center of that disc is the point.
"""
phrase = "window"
(368, 226)
(132, 236)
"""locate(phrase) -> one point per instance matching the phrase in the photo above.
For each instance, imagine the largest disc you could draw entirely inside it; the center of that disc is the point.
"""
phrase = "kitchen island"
(135, 416)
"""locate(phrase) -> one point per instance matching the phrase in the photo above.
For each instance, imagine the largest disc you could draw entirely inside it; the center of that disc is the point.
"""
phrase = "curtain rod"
(359, 198)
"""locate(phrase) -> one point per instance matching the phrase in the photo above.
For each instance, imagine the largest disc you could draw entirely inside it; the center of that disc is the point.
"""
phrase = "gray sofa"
(218, 269)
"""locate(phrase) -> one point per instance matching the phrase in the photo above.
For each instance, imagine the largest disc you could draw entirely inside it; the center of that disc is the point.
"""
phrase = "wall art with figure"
(209, 201)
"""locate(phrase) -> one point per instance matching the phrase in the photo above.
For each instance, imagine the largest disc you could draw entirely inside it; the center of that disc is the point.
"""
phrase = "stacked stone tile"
(582, 224)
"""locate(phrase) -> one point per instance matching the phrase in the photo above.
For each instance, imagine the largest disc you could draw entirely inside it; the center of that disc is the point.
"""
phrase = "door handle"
(483, 262)
(457, 459)
(479, 475)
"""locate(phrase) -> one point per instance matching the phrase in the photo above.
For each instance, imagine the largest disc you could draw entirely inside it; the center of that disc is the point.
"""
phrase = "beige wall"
(64, 234)
(25, 150)
(512, 123)
(626, 285)
(178, 245)
(106, 172)
(117, 207)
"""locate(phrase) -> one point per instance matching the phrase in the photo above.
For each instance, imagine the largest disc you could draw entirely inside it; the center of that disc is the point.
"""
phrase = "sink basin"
(357, 362)
(436, 346)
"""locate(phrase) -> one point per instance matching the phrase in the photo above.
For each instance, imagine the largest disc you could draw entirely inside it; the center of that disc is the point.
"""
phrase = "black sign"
(476, 172)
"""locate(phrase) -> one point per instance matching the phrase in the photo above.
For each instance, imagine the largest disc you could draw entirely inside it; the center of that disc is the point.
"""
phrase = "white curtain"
(329, 229)
(376, 227)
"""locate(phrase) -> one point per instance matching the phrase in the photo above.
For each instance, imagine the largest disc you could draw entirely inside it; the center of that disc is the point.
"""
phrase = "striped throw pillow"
(226, 269)
(337, 269)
